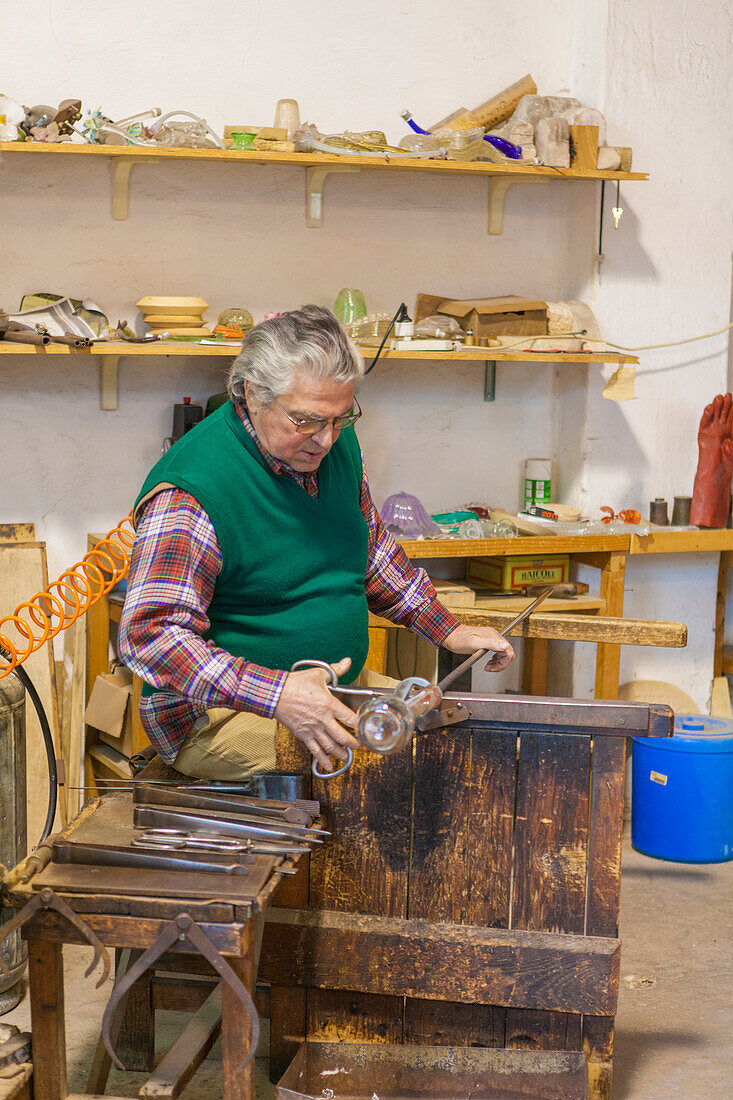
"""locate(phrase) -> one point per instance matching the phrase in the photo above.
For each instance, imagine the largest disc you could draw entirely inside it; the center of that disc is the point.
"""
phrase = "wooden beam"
(439, 961)
(178, 1066)
(608, 657)
(576, 628)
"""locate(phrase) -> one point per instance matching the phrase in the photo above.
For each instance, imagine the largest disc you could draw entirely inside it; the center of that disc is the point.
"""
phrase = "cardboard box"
(109, 710)
(507, 316)
(514, 572)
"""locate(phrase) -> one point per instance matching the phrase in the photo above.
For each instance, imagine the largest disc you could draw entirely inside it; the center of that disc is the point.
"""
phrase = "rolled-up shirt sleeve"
(175, 563)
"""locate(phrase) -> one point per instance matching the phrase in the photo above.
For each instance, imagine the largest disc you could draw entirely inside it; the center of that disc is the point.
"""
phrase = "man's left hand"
(467, 639)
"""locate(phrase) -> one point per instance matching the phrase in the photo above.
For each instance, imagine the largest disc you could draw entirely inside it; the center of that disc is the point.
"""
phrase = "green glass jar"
(349, 305)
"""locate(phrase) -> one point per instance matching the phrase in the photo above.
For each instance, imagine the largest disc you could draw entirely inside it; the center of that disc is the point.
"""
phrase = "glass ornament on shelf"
(405, 517)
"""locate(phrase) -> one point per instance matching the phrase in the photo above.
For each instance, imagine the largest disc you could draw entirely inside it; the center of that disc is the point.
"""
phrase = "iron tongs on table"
(387, 723)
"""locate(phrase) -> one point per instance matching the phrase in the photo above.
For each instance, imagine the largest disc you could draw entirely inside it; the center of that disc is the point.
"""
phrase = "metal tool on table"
(46, 899)
(184, 927)
(292, 813)
(387, 723)
(157, 817)
(153, 857)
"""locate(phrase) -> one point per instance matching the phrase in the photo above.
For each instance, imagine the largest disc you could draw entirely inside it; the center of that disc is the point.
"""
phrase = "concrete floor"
(674, 1039)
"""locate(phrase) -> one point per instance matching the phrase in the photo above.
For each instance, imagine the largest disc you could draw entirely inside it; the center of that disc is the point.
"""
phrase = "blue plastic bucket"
(682, 792)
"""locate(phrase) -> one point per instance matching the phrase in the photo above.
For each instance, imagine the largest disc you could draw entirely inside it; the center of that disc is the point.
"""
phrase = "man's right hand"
(315, 716)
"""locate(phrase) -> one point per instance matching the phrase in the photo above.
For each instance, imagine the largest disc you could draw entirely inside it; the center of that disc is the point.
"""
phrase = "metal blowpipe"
(455, 673)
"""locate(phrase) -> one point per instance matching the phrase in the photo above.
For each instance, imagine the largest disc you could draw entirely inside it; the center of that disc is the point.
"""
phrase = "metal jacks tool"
(387, 723)
(184, 927)
(45, 900)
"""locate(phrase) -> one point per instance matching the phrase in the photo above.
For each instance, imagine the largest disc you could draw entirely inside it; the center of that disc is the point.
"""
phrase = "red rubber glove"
(711, 492)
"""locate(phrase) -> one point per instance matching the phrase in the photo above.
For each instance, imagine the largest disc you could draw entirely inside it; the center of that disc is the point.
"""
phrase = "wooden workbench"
(608, 554)
(469, 895)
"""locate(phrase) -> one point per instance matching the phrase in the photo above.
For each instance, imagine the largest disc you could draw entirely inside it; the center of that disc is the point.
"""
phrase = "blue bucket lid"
(696, 733)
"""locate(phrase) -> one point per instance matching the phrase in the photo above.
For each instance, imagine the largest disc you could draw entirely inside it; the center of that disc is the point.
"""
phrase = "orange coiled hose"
(46, 614)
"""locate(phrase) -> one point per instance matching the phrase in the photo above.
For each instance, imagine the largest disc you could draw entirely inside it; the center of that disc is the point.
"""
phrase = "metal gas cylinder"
(13, 831)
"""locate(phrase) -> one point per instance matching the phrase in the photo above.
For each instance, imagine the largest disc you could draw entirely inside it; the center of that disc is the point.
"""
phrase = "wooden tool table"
(130, 920)
(470, 893)
(609, 555)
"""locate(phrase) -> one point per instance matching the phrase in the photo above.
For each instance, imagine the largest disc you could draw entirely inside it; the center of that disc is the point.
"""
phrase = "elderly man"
(258, 544)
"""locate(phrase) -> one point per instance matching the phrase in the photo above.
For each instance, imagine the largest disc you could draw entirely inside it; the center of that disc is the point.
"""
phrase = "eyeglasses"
(312, 425)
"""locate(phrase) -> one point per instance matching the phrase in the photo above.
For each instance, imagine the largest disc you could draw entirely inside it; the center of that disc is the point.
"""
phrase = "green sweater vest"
(293, 572)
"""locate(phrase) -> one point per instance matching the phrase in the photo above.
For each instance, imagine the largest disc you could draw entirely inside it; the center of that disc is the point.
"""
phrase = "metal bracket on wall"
(489, 379)
(315, 179)
(108, 365)
(122, 166)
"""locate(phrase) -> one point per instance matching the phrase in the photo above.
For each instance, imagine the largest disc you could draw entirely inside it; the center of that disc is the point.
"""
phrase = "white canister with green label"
(537, 481)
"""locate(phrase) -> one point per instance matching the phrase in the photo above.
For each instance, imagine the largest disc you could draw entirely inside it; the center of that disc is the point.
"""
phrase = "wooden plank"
(551, 837)
(573, 605)
(376, 659)
(578, 628)
(492, 787)
(550, 861)
(531, 1029)
(136, 1034)
(720, 698)
(166, 348)
(288, 1004)
(721, 597)
(236, 1031)
(120, 930)
(364, 869)
(73, 726)
(23, 573)
(682, 542)
(442, 961)
(439, 881)
(598, 1035)
(534, 666)
(178, 1066)
(101, 1061)
(383, 162)
(530, 544)
(17, 532)
(608, 657)
(46, 979)
(604, 888)
(476, 794)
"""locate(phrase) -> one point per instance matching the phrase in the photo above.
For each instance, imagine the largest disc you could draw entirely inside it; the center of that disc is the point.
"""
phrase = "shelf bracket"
(121, 184)
(489, 380)
(315, 179)
(498, 187)
(108, 377)
(497, 193)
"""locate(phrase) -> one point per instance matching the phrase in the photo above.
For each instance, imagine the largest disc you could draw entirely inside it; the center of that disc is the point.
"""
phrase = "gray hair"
(308, 339)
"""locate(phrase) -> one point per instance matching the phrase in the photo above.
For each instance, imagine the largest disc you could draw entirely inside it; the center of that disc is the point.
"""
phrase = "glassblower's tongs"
(387, 723)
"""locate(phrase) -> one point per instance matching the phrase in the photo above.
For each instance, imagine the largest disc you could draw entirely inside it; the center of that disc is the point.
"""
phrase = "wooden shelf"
(690, 541)
(469, 355)
(525, 544)
(160, 348)
(318, 167)
(108, 356)
(312, 160)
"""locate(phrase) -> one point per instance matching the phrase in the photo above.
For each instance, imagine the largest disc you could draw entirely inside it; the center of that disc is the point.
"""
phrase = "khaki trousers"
(231, 744)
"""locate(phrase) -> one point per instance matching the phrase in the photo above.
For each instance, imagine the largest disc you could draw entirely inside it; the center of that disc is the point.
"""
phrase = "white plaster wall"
(238, 237)
(666, 276)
